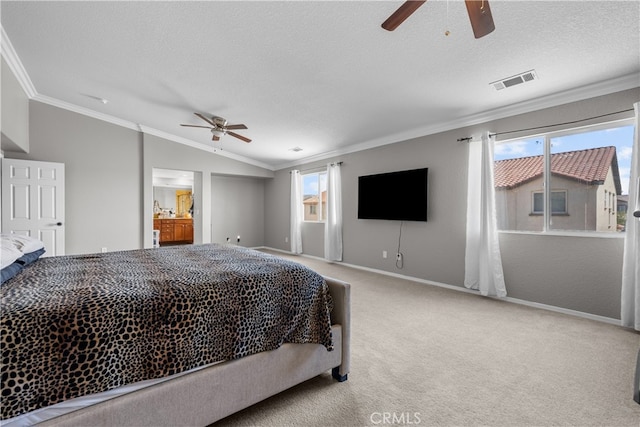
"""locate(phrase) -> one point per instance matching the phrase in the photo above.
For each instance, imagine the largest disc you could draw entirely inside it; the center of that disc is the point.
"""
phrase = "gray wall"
(109, 201)
(14, 109)
(574, 272)
(433, 250)
(102, 176)
(237, 209)
(165, 154)
(109, 178)
(578, 273)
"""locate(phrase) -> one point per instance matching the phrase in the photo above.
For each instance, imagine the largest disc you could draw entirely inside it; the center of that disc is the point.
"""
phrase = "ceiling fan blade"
(205, 119)
(480, 17)
(235, 127)
(197, 126)
(215, 138)
(239, 136)
(403, 12)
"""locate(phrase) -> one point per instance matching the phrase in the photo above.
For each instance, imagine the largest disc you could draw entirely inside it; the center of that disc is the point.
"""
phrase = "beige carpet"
(427, 356)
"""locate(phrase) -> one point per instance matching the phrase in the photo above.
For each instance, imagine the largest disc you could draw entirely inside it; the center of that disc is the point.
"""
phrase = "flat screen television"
(400, 196)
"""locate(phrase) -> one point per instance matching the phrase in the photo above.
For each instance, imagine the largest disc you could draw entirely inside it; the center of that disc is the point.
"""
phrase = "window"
(586, 171)
(558, 202)
(314, 196)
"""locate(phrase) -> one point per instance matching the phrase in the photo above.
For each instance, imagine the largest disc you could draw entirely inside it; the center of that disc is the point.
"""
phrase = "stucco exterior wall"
(606, 205)
(585, 206)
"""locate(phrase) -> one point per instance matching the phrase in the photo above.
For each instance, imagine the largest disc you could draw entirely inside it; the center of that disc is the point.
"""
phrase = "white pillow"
(8, 253)
(24, 244)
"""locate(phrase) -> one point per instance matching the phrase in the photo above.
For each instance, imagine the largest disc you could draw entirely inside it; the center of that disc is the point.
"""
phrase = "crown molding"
(629, 81)
(204, 147)
(145, 129)
(15, 65)
(86, 112)
(577, 94)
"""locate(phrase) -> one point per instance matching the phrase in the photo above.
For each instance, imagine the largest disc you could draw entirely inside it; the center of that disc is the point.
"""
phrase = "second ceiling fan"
(478, 10)
(219, 127)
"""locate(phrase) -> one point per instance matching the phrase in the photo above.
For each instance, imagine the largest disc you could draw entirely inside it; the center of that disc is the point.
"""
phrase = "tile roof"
(587, 166)
(313, 200)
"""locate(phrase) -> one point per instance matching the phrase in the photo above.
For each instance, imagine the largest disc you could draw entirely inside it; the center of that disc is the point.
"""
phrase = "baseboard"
(532, 304)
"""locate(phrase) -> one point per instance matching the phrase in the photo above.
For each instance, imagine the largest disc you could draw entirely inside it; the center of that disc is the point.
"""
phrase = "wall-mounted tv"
(400, 196)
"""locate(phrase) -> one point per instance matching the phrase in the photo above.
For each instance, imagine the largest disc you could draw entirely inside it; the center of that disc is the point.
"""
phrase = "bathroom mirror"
(172, 193)
(184, 202)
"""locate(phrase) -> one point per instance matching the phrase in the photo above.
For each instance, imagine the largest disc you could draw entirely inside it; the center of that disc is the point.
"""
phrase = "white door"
(33, 201)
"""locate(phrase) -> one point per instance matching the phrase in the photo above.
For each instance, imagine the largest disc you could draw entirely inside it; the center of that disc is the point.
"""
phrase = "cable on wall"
(399, 256)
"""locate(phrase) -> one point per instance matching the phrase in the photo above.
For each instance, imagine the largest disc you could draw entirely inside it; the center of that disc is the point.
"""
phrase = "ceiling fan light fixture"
(219, 127)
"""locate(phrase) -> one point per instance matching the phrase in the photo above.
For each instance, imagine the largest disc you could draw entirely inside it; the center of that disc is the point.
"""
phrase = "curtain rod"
(561, 124)
(469, 138)
(319, 167)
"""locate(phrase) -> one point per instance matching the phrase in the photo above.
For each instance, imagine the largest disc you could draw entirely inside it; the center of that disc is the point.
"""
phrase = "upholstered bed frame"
(208, 395)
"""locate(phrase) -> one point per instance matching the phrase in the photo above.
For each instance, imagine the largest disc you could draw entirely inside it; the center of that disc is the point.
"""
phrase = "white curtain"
(296, 212)
(483, 263)
(333, 221)
(630, 304)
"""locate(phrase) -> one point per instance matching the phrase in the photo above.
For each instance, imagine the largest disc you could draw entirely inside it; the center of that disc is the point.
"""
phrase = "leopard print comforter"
(82, 324)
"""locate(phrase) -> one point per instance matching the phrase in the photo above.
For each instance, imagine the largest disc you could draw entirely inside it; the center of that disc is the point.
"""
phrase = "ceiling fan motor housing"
(219, 121)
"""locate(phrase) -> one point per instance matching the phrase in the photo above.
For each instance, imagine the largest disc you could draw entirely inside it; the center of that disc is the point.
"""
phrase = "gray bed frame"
(208, 395)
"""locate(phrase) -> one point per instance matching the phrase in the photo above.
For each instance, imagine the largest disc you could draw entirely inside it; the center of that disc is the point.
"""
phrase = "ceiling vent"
(527, 76)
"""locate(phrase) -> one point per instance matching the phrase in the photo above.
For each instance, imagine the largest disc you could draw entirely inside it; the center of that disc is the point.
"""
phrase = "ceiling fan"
(478, 10)
(219, 127)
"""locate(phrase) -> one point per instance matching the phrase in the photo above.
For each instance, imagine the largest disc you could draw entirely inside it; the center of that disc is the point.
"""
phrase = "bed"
(131, 337)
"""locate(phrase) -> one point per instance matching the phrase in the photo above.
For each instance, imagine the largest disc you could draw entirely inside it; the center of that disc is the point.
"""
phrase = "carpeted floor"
(423, 355)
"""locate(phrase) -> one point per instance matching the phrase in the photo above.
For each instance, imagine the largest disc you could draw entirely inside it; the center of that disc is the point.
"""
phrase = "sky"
(310, 183)
(619, 137)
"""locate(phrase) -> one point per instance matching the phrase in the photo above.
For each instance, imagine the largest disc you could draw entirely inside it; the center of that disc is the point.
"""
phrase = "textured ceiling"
(322, 76)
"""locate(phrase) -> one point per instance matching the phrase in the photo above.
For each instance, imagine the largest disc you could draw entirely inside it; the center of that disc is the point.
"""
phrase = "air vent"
(527, 76)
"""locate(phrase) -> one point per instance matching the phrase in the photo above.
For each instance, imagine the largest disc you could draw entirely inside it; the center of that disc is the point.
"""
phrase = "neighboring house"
(623, 204)
(311, 207)
(585, 185)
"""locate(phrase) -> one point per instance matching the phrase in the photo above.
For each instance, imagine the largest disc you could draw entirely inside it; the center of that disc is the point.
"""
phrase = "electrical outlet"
(286, 240)
(384, 254)
(104, 249)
